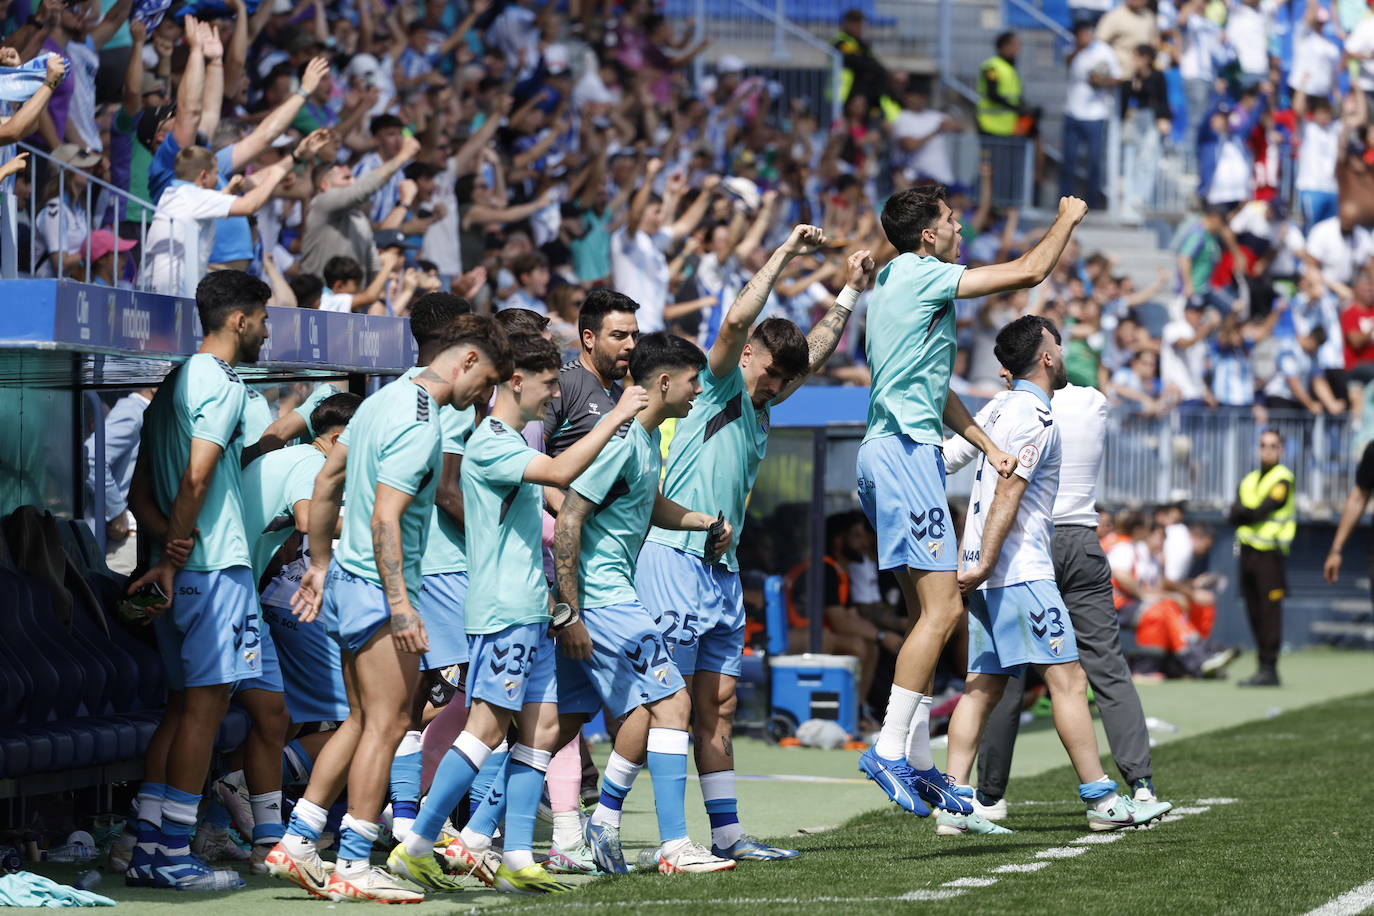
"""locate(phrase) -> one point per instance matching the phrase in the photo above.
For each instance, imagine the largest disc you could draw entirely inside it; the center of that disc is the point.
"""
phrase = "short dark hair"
(1004, 39)
(482, 332)
(599, 303)
(663, 352)
(193, 160)
(527, 264)
(307, 288)
(334, 412)
(318, 172)
(433, 312)
(1019, 342)
(382, 122)
(532, 353)
(854, 14)
(1268, 430)
(909, 213)
(220, 293)
(420, 170)
(341, 269)
(785, 341)
(522, 321)
(465, 187)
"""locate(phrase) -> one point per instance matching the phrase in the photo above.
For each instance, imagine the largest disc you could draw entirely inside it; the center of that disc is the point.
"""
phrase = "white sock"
(621, 771)
(721, 784)
(400, 826)
(516, 859)
(567, 828)
(1104, 804)
(918, 739)
(299, 846)
(474, 841)
(901, 709)
(352, 868)
(311, 814)
(266, 807)
(673, 846)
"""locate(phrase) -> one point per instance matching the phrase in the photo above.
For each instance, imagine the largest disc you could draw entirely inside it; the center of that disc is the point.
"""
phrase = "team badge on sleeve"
(1028, 456)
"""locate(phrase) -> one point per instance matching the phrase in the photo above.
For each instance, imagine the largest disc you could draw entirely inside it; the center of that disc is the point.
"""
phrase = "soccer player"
(366, 596)
(187, 488)
(1016, 615)
(692, 591)
(910, 344)
(511, 663)
(276, 497)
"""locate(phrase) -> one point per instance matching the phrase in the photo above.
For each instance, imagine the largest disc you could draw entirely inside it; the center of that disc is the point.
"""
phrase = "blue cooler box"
(817, 687)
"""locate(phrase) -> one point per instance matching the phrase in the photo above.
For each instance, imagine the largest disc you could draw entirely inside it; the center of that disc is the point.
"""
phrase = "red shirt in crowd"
(1358, 318)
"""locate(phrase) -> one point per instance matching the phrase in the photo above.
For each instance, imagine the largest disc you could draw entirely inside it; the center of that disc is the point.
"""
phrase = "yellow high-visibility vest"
(1275, 532)
(994, 117)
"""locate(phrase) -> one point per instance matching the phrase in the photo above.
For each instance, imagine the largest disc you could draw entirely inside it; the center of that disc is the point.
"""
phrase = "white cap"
(362, 64)
(282, 7)
(729, 63)
(556, 59)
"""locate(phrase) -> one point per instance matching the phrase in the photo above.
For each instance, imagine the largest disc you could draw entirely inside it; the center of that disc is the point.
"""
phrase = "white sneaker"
(376, 885)
(232, 792)
(214, 844)
(993, 812)
(691, 858)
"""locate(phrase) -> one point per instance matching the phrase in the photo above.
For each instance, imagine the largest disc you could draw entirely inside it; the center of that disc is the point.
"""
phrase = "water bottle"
(212, 881)
(71, 852)
(10, 860)
(87, 880)
(648, 859)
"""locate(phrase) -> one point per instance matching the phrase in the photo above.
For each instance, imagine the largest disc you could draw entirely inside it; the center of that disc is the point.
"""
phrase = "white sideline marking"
(970, 882)
(1019, 867)
(1093, 838)
(1061, 852)
(920, 895)
(1216, 801)
(1353, 901)
(1196, 809)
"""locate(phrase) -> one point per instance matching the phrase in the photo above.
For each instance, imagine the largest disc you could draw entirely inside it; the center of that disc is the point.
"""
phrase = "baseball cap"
(149, 121)
(391, 238)
(729, 63)
(556, 60)
(75, 155)
(103, 241)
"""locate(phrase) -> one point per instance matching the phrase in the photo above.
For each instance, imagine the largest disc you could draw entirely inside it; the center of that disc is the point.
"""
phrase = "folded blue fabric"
(27, 889)
(18, 83)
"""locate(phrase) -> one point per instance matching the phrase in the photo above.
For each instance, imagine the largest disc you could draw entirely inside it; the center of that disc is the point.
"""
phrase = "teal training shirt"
(203, 398)
(447, 552)
(910, 346)
(393, 439)
(504, 523)
(621, 485)
(713, 460)
(257, 416)
(272, 485)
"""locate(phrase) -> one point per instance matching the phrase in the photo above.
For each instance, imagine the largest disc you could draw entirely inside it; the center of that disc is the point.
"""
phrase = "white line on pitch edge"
(1096, 838)
(1353, 901)
(1061, 852)
(1014, 867)
(970, 882)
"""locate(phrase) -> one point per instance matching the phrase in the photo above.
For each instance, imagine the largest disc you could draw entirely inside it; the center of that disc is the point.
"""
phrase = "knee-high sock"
(918, 739)
(452, 779)
(179, 811)
(355, 845)
(668, 770)
(565, 786)
(307, 820)
(490, 809)
(722, 807)
(439, 736)
(524, 785)
(405, 783)
(267, 825)
(492, 774)
(616, 783)
(901, 710)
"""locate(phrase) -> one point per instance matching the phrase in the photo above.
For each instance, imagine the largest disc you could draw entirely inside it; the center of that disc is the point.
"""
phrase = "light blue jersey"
(713, 460)
(393, 439)
(272, 485)
(621, 484)
(910, 346)
(447, 552)
(257, 416)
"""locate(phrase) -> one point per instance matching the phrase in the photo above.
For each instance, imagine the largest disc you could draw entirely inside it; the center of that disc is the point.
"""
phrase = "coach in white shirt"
(1085, 583)
(183, 229)
(1093, 71)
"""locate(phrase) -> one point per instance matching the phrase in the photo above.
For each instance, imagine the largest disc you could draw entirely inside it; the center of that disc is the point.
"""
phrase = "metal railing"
(806, 67)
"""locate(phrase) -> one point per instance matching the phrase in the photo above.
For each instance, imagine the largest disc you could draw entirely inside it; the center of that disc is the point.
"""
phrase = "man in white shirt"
(920, 132)
(1017, 616)
(1183, 356)
(1093, 71)
(183, 228)
(1339, 247)
(1359, 47)
(1085, 582)
(1317, 157)
(1247, 30)
(1316, 57)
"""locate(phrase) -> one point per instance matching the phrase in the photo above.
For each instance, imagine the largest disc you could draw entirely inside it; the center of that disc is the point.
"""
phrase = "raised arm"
(562, 471)
(640, 202)
(106, 28)
(687, 223)
(132, 93)
(23, 122)
(825, 336)
(754, 237)
(1031, 268)
(212, 102)
(272, 126)
(261, 193)
(735, 327)
(190, 94)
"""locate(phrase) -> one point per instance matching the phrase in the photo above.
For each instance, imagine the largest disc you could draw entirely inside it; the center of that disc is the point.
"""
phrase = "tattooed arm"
(734, 329)
(407, 630)
(574, 640)
(825, 336)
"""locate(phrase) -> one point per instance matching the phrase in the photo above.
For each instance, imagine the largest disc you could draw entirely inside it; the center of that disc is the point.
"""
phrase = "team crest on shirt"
(935, 548)
(661, 675)
(1028, 456)
(1057, 645)
(512, 688)
(251, 657)
(594, 408)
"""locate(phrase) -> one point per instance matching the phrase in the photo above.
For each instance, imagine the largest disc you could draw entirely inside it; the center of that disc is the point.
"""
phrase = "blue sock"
(406, 769)
(296, 765)
(493, 772)
(456, 772)
(524, 785)
(215, 813)
(356, 841)
(1092, 791)
(668, 770)
(491, 809)
(179, 811)
(307, 820)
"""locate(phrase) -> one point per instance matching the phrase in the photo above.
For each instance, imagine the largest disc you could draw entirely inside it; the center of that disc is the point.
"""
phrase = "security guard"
(1266, 522)
(999, 90)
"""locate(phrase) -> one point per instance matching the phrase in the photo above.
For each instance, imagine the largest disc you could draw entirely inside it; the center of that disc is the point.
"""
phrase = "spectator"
(1202, 53)
(1233, 377)
(387, 135)
(82, 44)
(1224, 160)
(1247, 30)
(1126, 28)
(1145, 103)
(1093, 70)
(1000, 104)
(532, 284)
(1297, 382)
(1087, 11)
(920, 134)
(308, 290)
(61, 227)
(1337, 246)
(1318, 153)
(183, 229)
(30, 113)
(863, 73)
(1357, 327)
(1200, 244)
(343, 285)
(105, 250)
(337, 222)
(1316, 59)
(1138, 383)
(1183, 356)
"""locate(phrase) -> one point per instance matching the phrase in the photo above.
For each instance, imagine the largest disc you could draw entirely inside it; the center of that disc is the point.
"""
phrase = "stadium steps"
(1137, 249)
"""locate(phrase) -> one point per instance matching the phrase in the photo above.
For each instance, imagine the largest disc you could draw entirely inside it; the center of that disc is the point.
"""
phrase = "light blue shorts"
(1018, 625)
(311, 670)
(512, 667)
(441, 609)
(699, 608)
(269, 671)
(209, 636)
(353, 608)
(630, 664)
(902, 491)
